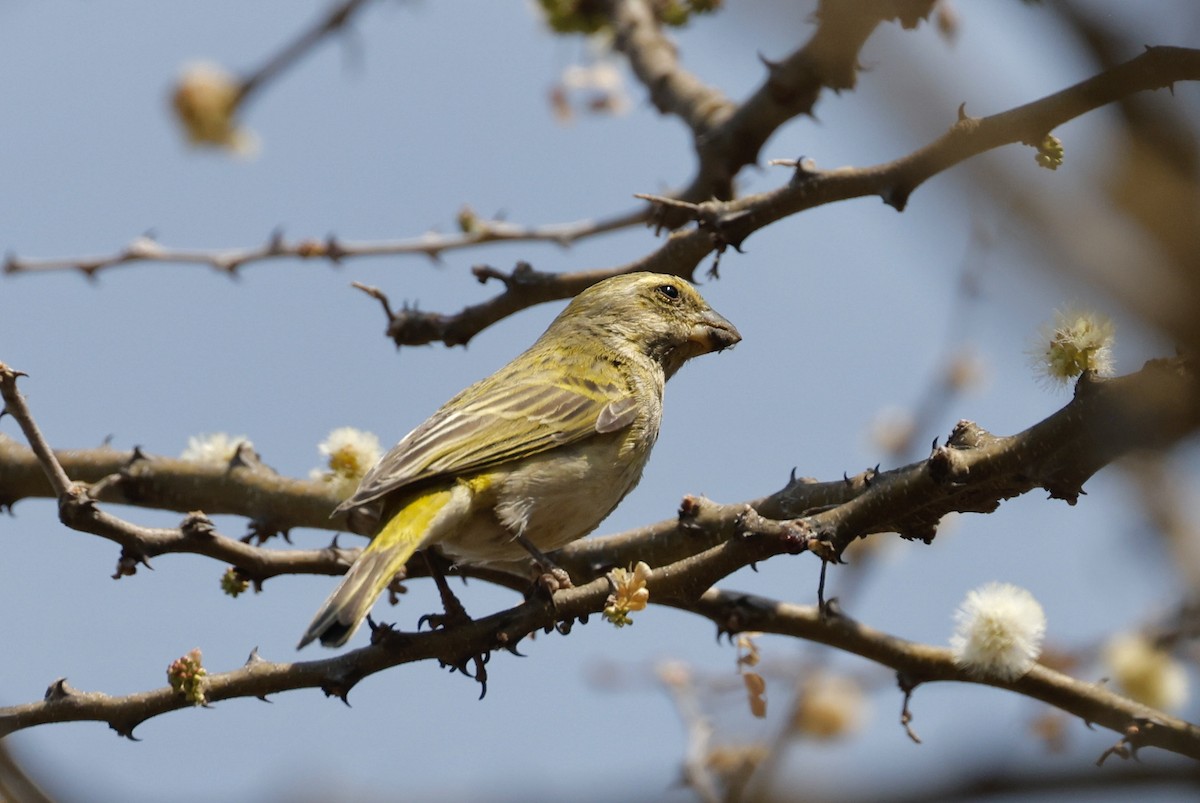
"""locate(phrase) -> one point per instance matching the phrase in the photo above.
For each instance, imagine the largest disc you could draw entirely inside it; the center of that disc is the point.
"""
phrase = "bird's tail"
(348, 605)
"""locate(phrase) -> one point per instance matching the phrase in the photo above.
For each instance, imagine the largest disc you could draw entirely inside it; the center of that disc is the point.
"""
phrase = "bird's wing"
(499, 420)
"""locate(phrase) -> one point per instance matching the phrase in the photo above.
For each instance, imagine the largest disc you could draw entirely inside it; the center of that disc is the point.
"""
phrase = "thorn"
(770, 64)
(380, 631)
(342, 693)
(58, 690)
(334, 249)
(895, 197)
(962, 111)
(821, 588)
(508, 644)
(126, 732)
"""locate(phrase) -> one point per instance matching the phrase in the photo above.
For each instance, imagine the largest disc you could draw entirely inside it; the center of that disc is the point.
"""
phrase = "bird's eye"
(670, 291)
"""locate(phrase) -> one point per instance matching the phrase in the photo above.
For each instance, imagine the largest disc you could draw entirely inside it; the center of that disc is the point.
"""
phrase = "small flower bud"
(1050, 153)
(232, 582)
(188, 678)
(629, 593)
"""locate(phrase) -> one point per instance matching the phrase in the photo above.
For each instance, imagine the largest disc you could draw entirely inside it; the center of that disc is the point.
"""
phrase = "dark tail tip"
(334, 634)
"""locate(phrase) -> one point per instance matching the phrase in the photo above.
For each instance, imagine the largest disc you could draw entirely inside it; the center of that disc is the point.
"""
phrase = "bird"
(536, 455)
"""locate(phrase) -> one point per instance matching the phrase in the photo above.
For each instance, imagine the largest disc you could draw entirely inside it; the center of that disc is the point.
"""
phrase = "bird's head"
(662, 316)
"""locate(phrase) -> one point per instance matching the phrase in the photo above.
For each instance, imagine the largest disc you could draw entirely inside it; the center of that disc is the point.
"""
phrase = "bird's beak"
(714, 333)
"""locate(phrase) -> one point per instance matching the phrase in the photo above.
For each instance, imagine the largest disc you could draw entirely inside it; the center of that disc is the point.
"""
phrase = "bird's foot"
(550, 577)
(453, 612)
(553, 578)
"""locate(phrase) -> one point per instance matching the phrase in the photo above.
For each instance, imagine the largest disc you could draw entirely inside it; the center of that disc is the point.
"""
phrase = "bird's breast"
(553, 498)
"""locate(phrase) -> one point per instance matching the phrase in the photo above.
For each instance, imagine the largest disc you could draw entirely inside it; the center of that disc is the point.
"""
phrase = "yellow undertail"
(348, 605)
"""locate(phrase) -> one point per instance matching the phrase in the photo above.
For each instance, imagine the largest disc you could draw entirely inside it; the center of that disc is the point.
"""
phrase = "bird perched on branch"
(536, 455)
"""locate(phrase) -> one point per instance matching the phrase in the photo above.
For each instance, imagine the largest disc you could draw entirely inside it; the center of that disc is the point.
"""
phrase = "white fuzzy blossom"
(1076, 341)
(349, 454)
(1146, 673)
(998, 633)
(214, 449)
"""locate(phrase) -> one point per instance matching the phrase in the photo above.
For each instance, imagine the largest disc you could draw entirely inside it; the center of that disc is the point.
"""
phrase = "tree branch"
(475, 231)
(729, 136)
(973, 472)
(337, 18)
(1139, 725)
(919, 663)
(706, 543)
(725, 224)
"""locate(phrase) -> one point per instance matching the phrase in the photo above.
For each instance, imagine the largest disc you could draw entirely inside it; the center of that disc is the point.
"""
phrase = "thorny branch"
(1140, 726)
(721, 224)
(728, 136)
(707, 542)
(729, 224)
(725, 224)
(920, 663)
(476, 231)
(973, 472)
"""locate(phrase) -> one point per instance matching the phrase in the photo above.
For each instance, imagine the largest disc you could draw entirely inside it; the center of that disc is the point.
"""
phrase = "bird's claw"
(554, 579)
(453, 615)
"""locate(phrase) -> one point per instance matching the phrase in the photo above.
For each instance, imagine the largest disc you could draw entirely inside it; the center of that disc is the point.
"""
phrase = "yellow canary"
(539, 453)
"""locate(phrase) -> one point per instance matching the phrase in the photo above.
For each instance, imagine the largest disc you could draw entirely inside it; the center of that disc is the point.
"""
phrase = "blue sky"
(386, 133)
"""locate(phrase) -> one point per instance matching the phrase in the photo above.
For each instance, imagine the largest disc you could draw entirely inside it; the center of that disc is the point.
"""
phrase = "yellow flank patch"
(478, 483)
(411, 522)
(397, 541)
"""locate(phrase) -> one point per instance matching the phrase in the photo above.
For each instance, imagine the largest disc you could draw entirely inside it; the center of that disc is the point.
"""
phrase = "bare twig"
(432, 245)
(336, 19)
